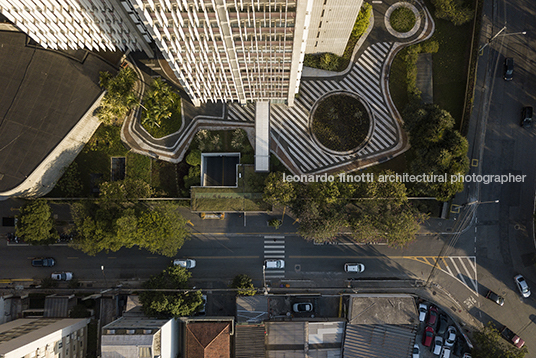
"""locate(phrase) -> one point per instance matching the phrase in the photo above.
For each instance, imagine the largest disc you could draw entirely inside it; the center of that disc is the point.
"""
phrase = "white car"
(522, 286)
(302, 307)
(62, 276)
(274, 264)
(423, 309)
(416, 351)
(450, 336)
(353, 267)
(438, 345)
(186, 263)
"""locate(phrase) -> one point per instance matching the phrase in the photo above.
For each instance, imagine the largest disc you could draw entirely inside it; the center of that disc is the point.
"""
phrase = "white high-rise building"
(228, 50)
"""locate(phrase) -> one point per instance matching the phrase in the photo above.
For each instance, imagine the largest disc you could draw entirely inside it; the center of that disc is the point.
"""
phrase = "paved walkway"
(291, 139)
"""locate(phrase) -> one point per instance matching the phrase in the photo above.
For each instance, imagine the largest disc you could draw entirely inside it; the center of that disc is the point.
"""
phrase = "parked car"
(438, 345)
(442, 325)
(202, 311)
(522, 286)
(450, 337)
(428, 336)
(354, 267)
(466, 355)
(274, 264)
(423, 309)
(526, 117)
(302, 307)
(446, 352)
(512, 337)
(186, 263)
(416, 353)
(495, 297)
(508, 69)
(432, 316)
(62, 276)
(43, 262)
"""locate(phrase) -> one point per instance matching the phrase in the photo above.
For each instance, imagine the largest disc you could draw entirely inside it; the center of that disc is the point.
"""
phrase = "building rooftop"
(382, 309)
(208, 340)
(43, 95)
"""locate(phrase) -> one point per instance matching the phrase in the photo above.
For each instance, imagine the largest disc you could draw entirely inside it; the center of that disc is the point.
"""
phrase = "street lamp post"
(497, 35)
(105, 280)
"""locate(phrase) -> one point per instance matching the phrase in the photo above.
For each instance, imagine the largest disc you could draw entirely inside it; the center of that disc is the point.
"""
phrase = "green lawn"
(450, 65)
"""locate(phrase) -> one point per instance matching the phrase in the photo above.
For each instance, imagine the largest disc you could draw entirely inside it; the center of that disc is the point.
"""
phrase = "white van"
(274, 264)
(446, 353)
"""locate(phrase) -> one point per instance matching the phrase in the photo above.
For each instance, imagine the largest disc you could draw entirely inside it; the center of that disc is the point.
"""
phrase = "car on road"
(186, 263)
(274, 264)
(495, 297)
(442, 325)
(416, 353)
(423, 309)
(526, 117)
(302, 307)
(354, 267)
(432, 316)
(62, 276)
(512, 337)
(428, 336)
(450, 337)
(508, 69)
(522, 286)
(438, 345)
(43, 262)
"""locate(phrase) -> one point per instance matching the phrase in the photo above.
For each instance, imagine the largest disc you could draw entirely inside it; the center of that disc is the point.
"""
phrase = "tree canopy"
(35, 224)
(160, 102)
(456, 11)
(168, 303)
(439, 149)
(368, 211)
(244, 284)
(119, 220)
(490, 344)
(119, 98)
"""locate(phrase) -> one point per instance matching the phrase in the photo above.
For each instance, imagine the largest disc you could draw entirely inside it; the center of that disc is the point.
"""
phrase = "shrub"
(402, 19)
(362, 21)
(455, 11)
(194, 158)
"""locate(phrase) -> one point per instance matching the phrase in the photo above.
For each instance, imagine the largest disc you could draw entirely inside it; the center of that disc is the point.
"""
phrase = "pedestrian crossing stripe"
(290, 126)
(462, 268)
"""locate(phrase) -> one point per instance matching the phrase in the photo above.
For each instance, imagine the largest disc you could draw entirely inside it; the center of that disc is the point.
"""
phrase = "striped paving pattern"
(274, 248)
(290, 126)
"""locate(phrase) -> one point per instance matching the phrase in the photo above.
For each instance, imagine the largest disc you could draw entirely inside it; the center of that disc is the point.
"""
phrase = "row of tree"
(369, 211)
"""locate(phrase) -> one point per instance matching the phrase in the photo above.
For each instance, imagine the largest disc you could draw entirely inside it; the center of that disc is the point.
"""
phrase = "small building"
(140, 337)
(208, 338)
(44, 337)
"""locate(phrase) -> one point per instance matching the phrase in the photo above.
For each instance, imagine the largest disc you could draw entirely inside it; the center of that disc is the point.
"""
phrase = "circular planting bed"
(341, 122)
(402, 19)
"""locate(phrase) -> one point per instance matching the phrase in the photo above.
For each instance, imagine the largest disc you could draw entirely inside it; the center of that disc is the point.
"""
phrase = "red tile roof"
(208, 340)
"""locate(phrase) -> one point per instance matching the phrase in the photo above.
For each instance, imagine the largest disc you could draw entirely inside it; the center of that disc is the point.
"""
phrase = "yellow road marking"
(474, 162)
(190, 222)
(455, 209)
(225, 257)
(9, 280)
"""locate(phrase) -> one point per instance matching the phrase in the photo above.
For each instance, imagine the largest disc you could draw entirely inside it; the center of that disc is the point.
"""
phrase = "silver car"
(62, 276)
(423, 310)
(354, 267)
(186, 263)
(522, 286)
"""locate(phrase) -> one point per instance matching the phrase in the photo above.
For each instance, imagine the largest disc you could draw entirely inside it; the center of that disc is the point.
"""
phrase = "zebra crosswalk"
(462, 268)
(290, 126)
(274, 248)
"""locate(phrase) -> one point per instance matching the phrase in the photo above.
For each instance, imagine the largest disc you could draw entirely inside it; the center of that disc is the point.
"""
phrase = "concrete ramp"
(262, 136)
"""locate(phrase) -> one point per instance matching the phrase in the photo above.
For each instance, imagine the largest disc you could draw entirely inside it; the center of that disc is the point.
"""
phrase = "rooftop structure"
(27, 338)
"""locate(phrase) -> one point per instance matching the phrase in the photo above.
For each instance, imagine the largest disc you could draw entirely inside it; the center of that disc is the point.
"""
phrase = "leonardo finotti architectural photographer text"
(406, 178)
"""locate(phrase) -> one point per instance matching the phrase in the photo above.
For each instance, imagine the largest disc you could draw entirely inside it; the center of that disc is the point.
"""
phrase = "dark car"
(508, 69)
(428, 336)
(512, 337)
(526, 117)
(43, 262)
(495, 298)
(432, 316)
(442, 325)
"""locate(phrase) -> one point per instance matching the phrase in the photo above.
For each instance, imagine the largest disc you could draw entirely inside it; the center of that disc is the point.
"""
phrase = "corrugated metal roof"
(250, 340)
(379, 341)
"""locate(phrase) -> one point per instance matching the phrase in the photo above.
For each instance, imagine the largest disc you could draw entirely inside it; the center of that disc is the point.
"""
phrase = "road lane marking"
(225, 257)
(72, 257)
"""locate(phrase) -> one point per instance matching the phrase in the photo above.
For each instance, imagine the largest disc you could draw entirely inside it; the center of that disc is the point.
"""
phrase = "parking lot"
(440, 323)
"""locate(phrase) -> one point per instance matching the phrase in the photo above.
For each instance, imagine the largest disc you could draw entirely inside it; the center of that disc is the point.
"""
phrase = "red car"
(428, 336)
(432, 316)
